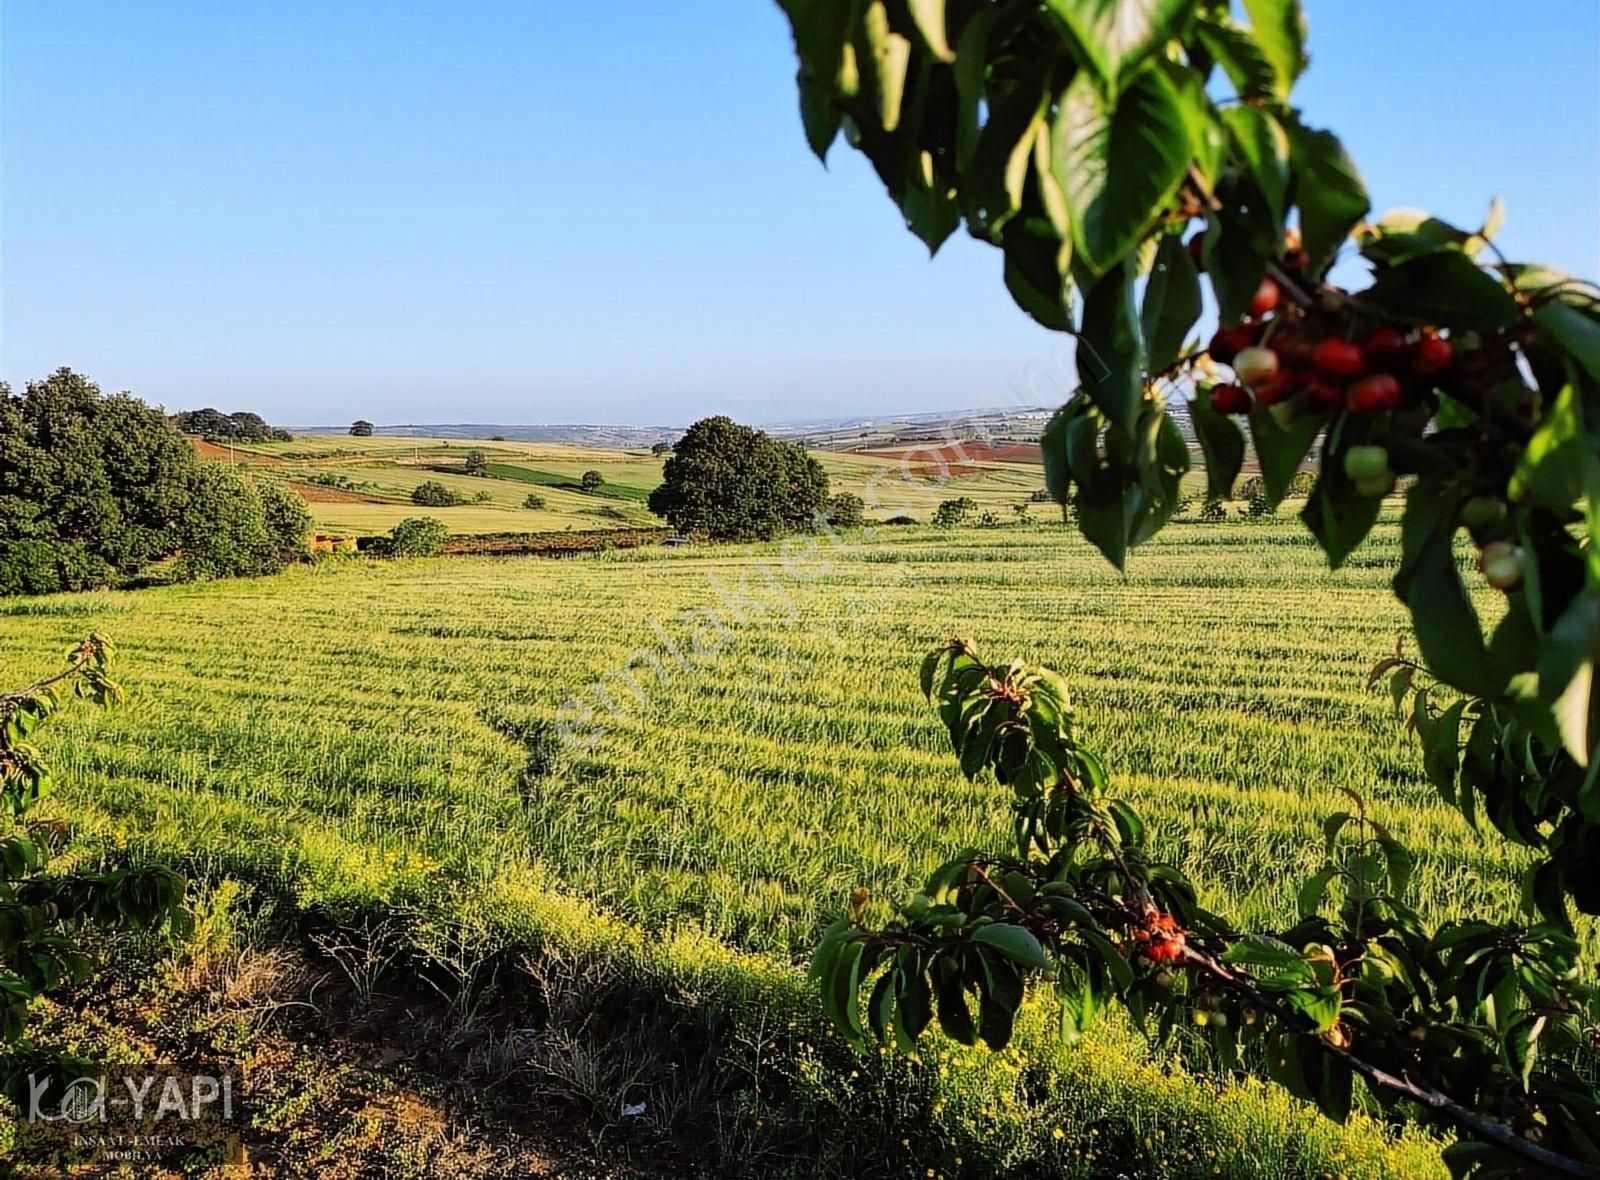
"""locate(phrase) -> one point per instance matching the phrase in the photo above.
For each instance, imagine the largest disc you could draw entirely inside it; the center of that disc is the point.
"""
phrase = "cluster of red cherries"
(1278, 352)
(1160, 939)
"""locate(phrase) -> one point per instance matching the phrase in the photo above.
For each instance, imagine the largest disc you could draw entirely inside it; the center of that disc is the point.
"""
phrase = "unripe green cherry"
(1219, 1020)
(1483, 512)
(1375, 487)
(1366, 462)
(1202, 1017)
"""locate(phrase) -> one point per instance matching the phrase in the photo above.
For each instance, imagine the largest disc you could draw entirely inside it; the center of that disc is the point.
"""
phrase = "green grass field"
(335, 734)
(384, 471)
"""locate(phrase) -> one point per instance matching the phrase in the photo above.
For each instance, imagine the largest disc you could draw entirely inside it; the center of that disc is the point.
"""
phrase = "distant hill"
(626, 438)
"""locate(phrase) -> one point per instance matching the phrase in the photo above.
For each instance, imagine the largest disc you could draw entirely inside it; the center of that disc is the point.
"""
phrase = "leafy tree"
(846, 510)
(46, 913)
(288, 521)
(361, 428)
(433, 494)
(533, 500)
(734, 483)
(242, 426)
(1084, 143)
(592, 481)
(224, 530)
(417, 536)
(476, 462)
(661, 448)
(951, 513)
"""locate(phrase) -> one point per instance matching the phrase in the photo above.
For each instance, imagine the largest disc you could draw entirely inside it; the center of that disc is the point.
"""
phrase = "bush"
(901, 520)
(225, 532)
(433, 494)
(288, 522)
(476, 462)
(955, 512)
(417, 536)
(361, 428)
(481, 496)
(847, 511)
(533, 500)
(28, 567)
(592, 481)
(611, 513)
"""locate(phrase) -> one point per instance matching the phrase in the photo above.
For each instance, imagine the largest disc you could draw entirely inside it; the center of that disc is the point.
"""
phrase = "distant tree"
(498, 438)
(361, 428)
(734, 483)
(433, 494)
(476, 462)
(592, 481)
(1021, 511)
(417, 536)
(242, 426)
(846, 510)
(951, 513)
(661, 448)
(533, 500)
(481, 496)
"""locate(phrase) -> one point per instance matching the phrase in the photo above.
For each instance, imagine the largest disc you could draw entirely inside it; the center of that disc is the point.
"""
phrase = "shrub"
(417, 536)
(433, 494)
(533, 500)
(955, 512)
(288, 521)
(225, 531)
(900, 520)
(361, 428)
(481, 496)
(28, 567)
(476, 462)
(592, 481)
(846, 510)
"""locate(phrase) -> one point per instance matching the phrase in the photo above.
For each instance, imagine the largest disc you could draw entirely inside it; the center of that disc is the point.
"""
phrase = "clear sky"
(528, 211)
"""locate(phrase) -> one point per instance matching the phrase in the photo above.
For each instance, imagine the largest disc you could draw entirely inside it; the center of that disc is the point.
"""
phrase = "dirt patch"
(236, 454)
(935, 460)
(315, 493)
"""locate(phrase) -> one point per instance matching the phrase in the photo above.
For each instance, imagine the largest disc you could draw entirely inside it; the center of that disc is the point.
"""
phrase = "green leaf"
(1445, 622)
(1240, 55)
(821, 29)
(844, 989)
(1053, 444)
(951, 999)
(994, 178)
(1320, 1005)
(971, 70)
(1576, 334)
(889, 56)
(1280, 449)
(1263, 144)
(1263, 953)
(1105, 512)
(1222, 444)
(1109, 353)
(1567, 657)
(1328, 191)
(1280, 29)
(1338, 516)
(1114, 36)
(1311, 893)
(1014, 942)
(928, 16)
(1171, 303)
(1118, 167)
(1036, 268)
(1558, 468)
(1444, 288)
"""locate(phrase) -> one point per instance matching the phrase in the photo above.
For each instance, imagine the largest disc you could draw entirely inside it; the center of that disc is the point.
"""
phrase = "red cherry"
(1292, 349)
(1374, 394)
(1433, 355)
(1324, 394)
(1273, 390)
(1386, 348)
(1230, 399)
(1265, 299)
(1339, 358)
(1228, 342)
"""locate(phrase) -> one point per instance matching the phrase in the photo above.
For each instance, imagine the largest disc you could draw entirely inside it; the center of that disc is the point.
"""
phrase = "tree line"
(95, 488)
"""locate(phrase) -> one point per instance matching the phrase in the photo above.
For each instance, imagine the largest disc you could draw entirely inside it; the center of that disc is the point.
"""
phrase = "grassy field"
(749, 743)
(377, 476)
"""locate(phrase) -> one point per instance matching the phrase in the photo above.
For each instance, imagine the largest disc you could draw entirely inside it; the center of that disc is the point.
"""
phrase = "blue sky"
(539, 212)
